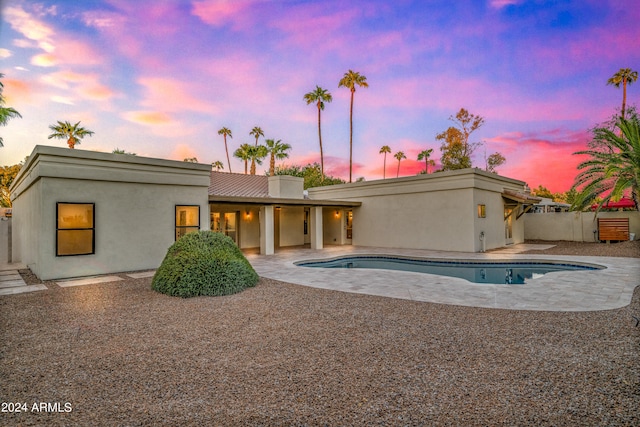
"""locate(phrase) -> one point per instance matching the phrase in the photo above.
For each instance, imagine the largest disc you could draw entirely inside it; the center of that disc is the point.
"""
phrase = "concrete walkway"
(11, 281)
(558, 291)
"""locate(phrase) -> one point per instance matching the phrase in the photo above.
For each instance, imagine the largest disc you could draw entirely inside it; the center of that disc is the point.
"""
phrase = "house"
(79, 213)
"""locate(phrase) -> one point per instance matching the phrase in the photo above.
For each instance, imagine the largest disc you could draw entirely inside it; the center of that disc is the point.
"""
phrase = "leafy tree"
(424, 155)
(311, 173)
(319, 96)
(613, 169)
(384, 150)
(257, 132)
(72, 133)
(350, 80)
(218, 165)
(456, 148)
(277, 150)
(623, 77)
(495, 160)
(542, 192)
(399, 156)
(6, 113)
(226, 132)
(119, 151)
(242, 153)
(256, 154)
(7, 175)
(191, 160)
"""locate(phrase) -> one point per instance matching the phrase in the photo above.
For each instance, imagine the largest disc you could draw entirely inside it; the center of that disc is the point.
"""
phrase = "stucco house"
(78, 213)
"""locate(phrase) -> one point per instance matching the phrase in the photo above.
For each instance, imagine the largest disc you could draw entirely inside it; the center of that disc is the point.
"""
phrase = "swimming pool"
(476, 271)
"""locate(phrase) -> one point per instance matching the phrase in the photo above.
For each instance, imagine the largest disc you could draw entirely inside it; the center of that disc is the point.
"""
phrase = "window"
(482, 211)
(187, 220)
(75, 229)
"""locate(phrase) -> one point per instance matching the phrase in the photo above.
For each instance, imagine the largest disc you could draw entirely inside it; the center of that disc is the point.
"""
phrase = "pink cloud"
(183, 151)
(44, 60)
(29, 26)
(173, 95)
(149, 118)
(223, 12)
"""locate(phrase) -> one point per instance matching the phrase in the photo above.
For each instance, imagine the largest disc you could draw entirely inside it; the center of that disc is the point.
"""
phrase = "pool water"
(493, 272)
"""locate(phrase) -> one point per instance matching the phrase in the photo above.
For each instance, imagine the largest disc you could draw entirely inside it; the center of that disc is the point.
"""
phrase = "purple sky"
(160, 78)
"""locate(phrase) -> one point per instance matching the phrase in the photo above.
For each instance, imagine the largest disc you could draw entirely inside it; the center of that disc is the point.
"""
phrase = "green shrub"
(204, 263)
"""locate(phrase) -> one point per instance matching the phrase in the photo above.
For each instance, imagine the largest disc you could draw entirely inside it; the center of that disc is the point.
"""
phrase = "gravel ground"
(616, 249)
(281, 354)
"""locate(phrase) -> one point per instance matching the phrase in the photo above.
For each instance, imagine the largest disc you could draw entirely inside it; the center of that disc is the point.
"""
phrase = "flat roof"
(282, 201)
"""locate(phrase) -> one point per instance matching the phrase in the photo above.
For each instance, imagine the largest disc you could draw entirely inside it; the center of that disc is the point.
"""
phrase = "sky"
(160, 78)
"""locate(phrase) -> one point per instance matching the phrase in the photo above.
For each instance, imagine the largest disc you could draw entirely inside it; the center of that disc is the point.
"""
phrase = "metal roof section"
(224, 184)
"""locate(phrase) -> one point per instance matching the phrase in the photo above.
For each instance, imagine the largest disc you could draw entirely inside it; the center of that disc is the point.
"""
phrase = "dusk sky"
(160, 78)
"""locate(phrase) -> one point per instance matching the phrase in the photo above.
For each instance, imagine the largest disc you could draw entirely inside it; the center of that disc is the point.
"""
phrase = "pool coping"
(589, 290)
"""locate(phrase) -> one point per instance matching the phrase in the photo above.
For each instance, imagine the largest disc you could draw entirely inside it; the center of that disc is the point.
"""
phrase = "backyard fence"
(573, 226)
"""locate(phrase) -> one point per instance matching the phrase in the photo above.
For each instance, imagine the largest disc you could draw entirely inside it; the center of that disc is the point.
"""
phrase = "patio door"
(226, 223)
(508, 225)
(348, 217)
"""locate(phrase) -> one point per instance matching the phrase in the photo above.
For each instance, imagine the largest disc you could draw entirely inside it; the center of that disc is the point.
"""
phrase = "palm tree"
(6, 113)
(624, 76)
(242, 153)
(224, 132)
(217, 165)
(72, 133)
(277, 150)
(614, 167)
(319, 96)
(257, 132)
(256, 154)
(384, 150)
(424, 155)
(399, 155)
(350, 80)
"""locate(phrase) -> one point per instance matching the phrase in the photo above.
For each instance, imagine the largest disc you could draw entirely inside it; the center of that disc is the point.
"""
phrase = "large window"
(187, 220)
(75, 229)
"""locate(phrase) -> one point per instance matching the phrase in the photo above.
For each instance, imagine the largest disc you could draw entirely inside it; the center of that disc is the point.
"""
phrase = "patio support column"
(266, 230)
(316, 227)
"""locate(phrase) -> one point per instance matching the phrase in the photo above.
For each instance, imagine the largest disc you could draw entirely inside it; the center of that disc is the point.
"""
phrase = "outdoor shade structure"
(623, 203)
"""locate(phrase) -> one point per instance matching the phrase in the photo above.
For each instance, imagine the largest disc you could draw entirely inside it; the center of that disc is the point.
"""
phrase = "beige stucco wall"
(437, 211)
(291, 226)
(573, 226)
(134, 198)
(285, 186)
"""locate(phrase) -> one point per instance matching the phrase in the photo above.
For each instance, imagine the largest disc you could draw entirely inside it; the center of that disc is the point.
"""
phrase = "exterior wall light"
(482, 211)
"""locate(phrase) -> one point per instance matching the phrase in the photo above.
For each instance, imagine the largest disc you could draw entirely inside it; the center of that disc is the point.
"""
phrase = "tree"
(542, 192)
(256, 154)
(319, 96)
(6, 113)
(120, 151)
(399, 155)
(72, 133)
(613, 169)
(257, 132)
(277, 150)
(623, 77)
(191, 160)
(7, 175)
(224, 132)
(242, 153)
(456, 148)
(218, 165)
(424, 155)
(350, 80)
(310, 173)
(495, 160)
(384, 150)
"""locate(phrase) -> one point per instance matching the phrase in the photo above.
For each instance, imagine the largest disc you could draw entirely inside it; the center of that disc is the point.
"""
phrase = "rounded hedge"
(204, 263)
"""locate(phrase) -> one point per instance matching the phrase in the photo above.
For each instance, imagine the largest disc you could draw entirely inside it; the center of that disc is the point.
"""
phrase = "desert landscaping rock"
(281, 354)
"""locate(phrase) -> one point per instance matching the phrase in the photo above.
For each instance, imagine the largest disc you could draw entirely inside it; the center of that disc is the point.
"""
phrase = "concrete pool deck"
(558, 291)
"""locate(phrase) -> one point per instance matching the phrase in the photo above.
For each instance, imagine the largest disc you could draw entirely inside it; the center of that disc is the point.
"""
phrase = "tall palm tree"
(256, 154)
(72, 133)
(242, 153)
(319, 96)
(277, 150)
(614, 167)
(623, 77)
(399, 155)
(224, 132)
(384, 149)
(6, 113)
(424, 155)
(350, 80)
(217, 165)
(257, 132)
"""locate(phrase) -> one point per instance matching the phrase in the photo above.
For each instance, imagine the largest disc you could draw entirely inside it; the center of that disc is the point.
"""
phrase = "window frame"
(175, 220)
(92, 228)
